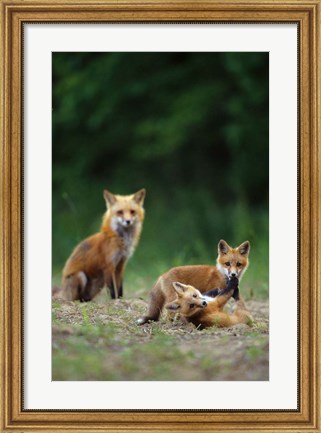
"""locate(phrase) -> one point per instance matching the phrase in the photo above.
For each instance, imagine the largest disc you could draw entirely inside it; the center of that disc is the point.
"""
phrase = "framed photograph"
(160, 196)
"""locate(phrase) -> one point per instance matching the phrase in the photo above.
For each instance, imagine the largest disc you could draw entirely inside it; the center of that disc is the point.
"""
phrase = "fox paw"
(142, 320)
(233, 283)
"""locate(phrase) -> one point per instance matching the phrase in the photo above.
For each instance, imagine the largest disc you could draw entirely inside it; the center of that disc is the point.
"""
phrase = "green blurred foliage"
(192, 128)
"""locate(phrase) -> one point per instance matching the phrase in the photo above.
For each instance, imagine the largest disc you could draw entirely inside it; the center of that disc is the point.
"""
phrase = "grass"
(101, 340)
(182, 229)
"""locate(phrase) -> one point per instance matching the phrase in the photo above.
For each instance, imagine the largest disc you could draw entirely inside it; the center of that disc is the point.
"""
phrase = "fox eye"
(195, 295)
(191, 305)
(132, 212)
(227, 263)
(120, 212)
(238, 264)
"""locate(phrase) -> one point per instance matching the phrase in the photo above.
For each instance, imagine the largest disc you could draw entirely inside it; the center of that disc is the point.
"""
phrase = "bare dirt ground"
(101, 341)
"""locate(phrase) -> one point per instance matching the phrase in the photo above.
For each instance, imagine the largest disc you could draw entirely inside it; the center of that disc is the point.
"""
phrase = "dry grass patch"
(101, 341)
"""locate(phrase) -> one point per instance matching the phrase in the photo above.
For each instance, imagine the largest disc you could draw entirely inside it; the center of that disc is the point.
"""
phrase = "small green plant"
(85, 315)
(254, 352)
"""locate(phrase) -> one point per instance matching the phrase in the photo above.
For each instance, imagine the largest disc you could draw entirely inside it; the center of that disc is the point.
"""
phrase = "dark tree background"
(192, 128)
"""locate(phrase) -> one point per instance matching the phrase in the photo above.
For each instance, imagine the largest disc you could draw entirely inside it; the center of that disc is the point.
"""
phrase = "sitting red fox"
(231, 262)
(204, 311)
(100, 260)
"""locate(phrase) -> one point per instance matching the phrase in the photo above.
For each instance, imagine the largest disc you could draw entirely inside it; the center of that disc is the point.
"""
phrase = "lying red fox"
(203, 310)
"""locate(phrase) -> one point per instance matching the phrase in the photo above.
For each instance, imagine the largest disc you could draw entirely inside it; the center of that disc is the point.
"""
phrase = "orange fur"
(204, 311)
(100, 260)
(204, 277)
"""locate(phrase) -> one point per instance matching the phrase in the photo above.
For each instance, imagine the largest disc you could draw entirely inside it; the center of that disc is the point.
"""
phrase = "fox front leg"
(113, 287)
(233, 284)
(119, 272)
(110, 284)
(222, 298)
(212, 293)
(236, 294)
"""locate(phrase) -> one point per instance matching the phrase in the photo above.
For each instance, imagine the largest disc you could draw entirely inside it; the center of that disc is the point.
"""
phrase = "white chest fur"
(127, 236)
(208, 299)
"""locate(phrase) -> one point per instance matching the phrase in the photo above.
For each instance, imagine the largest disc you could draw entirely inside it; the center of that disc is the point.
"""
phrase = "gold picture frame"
(307, 14)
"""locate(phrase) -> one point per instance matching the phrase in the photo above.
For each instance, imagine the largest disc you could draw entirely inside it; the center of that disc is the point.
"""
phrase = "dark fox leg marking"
(112, 291)
(236, 294)
(109, 283)
(233, 284)
(212, 293)
(120, 290)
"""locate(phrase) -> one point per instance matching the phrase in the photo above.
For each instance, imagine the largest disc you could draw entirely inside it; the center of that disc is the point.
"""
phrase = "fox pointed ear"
(139, 196)
(223, 247)
(244, 248)
(109, 197)
(173, 306)
(179, 287)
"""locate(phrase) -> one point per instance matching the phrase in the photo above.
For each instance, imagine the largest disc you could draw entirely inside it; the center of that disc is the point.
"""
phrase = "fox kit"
(204, 311)
(231, 262)
(100, 260)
